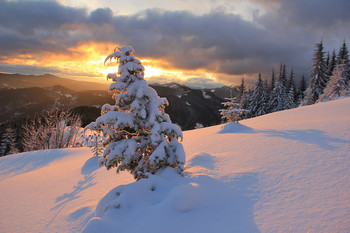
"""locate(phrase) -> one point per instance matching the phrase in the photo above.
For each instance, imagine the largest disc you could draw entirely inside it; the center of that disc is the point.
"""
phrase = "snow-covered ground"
(282, 172)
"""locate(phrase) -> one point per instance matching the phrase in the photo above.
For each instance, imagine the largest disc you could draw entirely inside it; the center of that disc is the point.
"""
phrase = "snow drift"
(282, 172)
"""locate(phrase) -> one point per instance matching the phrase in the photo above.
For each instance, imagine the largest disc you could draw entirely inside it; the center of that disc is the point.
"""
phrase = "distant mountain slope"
(190, 106)
(282, 172)
(187, 106)
(224, 91)
(11, 81)
(26, 102)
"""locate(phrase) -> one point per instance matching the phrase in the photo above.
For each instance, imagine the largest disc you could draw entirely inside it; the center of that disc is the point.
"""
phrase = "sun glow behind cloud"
(86, 61)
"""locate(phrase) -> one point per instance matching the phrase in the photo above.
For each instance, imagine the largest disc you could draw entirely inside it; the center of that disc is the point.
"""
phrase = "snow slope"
(283, 172)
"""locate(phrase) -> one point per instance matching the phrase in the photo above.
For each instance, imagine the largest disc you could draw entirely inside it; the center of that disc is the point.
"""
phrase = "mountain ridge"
(187, 106)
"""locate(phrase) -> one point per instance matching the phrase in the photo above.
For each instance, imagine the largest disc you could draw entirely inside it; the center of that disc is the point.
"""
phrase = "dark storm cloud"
(218, 41)
(316, 13)
(31, 26)
(27, 16)
(101, 16)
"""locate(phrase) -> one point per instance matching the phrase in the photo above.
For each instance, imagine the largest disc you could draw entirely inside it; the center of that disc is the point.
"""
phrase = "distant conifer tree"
(338, 86)
(242, 90)
(233, 111)
(273, 81)
(319, 76)
(301, 90)
(279, 93)
(259, 99)
(332, 63)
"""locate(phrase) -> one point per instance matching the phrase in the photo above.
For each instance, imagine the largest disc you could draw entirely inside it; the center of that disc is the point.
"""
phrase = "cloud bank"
(218, 42)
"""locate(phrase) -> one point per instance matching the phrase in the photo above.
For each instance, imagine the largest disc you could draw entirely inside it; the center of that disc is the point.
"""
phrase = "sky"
(194, 42)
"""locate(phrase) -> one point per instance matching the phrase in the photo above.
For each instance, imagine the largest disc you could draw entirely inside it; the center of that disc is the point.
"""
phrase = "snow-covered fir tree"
(328, 59)
(338, 85)
(319, 76)
(140, 136)
(242, 90)
(279, 93)
(244, 102)
(290, 101)
(343, 58)
(291, 82)
(301, 90)
(332, 63)
(273, 81)
(343, 54)
(8, 142)
(292, 95)
(259, 99)
(233, 111)
(4, 143)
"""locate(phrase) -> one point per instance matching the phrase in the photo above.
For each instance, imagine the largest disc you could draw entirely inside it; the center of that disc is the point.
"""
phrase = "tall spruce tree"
(141, 138)
(279, 93)
(332, 63)
(343, 55)
(245, 99)
(343, 59)
(301, 90)
(328, 60)
(8, 142)
(290, 101)
(258, 99)
(291, 87)
(291, 82)
(242, 90)
(273, 80)
(319, 76)
(4, 144)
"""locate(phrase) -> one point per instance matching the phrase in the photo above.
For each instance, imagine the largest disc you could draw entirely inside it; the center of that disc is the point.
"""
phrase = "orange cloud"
(87, 61)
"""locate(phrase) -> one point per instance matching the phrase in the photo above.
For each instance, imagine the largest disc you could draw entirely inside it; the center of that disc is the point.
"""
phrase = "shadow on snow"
(309, 136)
(11, 165)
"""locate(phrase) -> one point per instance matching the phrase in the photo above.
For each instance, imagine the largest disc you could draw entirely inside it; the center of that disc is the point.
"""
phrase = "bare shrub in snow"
(140, 137)
(55, 129)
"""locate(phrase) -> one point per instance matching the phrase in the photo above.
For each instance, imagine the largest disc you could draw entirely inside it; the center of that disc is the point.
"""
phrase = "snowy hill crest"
(282, 172)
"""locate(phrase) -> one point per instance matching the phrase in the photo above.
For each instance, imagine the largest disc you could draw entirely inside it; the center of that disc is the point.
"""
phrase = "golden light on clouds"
(86, 62)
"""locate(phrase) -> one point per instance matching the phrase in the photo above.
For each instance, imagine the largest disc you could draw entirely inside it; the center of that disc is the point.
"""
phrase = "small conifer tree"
(233, 112)
(140, 137)
(94, 140)
(198, 126)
